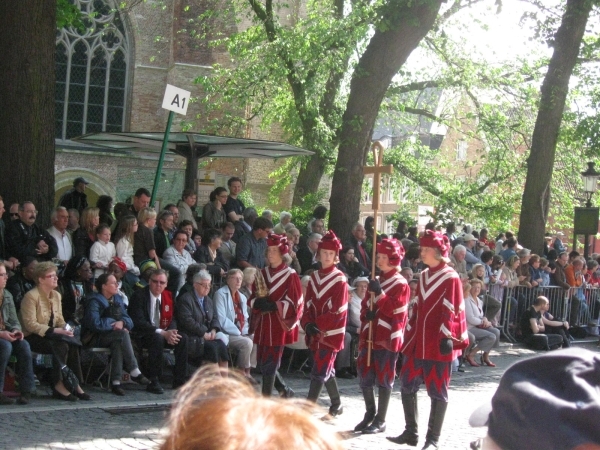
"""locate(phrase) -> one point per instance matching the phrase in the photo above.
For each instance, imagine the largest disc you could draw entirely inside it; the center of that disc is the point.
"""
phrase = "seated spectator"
(154, 328)
(175, 211)
(350, 266)
(412, 258)
(344, 367)
(44, 328)
(58, 230)
(293, 235)
(106, 324)
(249, 274)
(555, 326)
(197, 238)
(188, 227)
(523, 271)
(105, 205)
(319, 214)
(533, 328)
(118, 269)
(234, 207)
(558, 244)
(74, 286)
(267, 214)
(121, 210)
(25, 238)
(213, 213)
(251, 248)
(307, 255)
(209, 402)
(210, 254)
(511, 244)
(85, 236)
(13, 344)
(178, 256)
(198, 321)
(75, 198)
(471, 258)
(162, 232)
(73, 221)
(509, 271)
(13, 212)
(545, 272)
(188, 286)
(358, 242)
(227, 245)
(592, 276)
(574, 277)
(250, 215)
(22, 281)
(141, 199)
(284, 218)
(457, 259)
(232, 314)
(124, 238)
(103, 251)
(186, 205)
(486, 335)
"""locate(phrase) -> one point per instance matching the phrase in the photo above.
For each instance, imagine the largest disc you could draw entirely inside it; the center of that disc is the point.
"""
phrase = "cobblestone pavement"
(137, 420)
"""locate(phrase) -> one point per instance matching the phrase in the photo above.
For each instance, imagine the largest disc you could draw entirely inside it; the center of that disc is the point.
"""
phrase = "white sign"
(176, 99)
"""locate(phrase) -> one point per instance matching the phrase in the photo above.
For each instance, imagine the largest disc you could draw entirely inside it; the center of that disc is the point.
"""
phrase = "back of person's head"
(573, 254)
(320, 212)
(511, 242)
(541, 300)
(509, 235)
(262, 224)
(245, 420)
(486, 256)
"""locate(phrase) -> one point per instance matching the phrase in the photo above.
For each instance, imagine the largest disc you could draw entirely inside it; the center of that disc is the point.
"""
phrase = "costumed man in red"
(388, 319)
(435, 335)
(276, 316)
(324, 320)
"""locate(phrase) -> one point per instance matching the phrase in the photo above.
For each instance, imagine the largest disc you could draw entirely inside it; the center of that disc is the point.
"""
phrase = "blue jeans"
(24, 364)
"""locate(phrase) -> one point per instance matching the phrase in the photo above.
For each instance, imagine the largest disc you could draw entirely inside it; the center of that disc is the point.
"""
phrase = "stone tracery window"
(92, 72)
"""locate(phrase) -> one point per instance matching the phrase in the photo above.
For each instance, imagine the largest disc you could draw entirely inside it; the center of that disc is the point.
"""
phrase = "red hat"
(280, 241)
(330, 242)
(120, 263)
(435, 239)
(393, 249)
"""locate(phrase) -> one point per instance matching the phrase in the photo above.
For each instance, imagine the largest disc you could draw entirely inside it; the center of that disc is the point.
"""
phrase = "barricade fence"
(579, 306)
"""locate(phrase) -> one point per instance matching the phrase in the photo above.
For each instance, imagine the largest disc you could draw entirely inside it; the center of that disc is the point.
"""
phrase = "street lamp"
(590, 183)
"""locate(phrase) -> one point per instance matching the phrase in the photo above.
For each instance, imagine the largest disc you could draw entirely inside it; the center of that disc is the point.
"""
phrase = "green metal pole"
(161, 160)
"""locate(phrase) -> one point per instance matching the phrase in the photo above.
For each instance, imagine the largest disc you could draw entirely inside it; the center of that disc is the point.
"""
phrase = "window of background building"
(92, 72)
(461, 151)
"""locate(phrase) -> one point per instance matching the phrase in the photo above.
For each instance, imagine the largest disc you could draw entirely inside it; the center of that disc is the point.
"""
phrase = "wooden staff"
(376, 170)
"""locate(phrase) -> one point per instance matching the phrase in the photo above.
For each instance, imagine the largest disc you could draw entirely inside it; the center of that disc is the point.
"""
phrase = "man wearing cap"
(275, 313)
(435, 335)
(558, 243)
(388, 320)
(470, 256)
(551, 401)
(324, 320)
(75, 198)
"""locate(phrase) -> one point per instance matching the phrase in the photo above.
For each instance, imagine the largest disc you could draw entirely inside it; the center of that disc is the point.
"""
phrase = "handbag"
(69, 379)
(195, 345)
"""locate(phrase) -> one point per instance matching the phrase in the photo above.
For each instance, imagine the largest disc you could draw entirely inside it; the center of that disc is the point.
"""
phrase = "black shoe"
(117, 390)
(24, 399)
(376, 427)
(287, 392)
(59, 396)
(83, 396)
(405, 438)
(141, 379)
(155, 388)
(4, 400)
(430, 445)
(336, 410)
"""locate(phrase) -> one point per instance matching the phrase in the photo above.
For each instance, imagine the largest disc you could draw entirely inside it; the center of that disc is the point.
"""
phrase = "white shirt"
(63, 241)
(102, 252)
(125, 252)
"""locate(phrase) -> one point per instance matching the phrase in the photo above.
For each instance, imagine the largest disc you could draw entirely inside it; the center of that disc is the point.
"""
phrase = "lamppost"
(586, 219)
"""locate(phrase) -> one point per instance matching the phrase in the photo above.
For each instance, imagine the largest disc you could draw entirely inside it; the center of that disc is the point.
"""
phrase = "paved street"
(136, 420)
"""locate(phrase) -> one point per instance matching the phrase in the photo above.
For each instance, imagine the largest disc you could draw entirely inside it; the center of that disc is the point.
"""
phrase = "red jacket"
(439, 313)
(327, 307)
(279, 327)
(391, 308)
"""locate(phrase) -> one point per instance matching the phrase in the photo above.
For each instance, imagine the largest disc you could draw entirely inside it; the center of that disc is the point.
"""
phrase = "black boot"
(378, 425)
(336, 407)
(369, 397)
(284, 390)
(267, 385)
(410, 436)
(314, 390)
(436, 420)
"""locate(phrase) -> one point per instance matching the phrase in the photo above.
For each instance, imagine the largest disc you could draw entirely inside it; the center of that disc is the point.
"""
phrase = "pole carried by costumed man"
(384, 322)
(277, 305)
(324, 320)
(435, 335)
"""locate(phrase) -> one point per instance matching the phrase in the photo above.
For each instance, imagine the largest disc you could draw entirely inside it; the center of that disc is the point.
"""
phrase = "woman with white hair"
(284, 218)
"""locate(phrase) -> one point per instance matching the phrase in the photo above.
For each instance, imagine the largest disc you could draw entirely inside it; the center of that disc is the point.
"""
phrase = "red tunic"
(279, 327)
(391, 312)
(438, 313)
(327, 307)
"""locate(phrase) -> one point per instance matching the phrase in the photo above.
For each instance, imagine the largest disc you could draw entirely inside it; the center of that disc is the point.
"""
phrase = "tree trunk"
(388, 49)
(536, 197)
(27, 39)
(309, 178)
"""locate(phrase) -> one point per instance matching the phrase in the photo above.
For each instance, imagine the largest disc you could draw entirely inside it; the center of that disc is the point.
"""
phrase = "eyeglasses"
(51, 275)
(14, 214)
(204, 285)
(159, 282)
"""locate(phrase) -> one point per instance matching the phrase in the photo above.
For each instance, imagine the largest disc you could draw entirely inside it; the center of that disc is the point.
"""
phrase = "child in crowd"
(545, 271)
(102, 251)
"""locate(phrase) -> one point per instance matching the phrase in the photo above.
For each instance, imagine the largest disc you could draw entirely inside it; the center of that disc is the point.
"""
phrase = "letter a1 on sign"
(176, 99)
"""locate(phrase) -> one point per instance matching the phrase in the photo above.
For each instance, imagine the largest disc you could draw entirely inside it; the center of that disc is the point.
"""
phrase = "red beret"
(435, 239)
(393, 249)
(280, 241)
(120, 263)
(330, 242)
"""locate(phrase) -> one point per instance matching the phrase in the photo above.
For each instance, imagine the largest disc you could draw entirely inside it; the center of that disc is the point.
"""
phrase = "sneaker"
(4, 400)
(141, 379)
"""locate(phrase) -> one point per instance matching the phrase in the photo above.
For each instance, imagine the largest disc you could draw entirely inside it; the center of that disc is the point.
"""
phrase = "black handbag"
(69, 379)
(195, 345)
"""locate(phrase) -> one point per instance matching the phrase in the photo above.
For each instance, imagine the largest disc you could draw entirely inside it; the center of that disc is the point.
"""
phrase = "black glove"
(264, 304)
(370, 315)
(446, 346)
(311, 329)
(375, 287)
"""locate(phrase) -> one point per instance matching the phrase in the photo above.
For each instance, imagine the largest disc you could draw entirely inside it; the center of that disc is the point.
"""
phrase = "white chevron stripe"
(334, 332)
(342, 308)
(397, 334)
(384, 324)
(401, 309)
(445, 331)
(449, 305)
